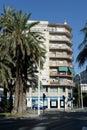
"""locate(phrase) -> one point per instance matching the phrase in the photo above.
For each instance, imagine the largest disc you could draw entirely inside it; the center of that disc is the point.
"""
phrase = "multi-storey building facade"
(57, 74)
(81, 79)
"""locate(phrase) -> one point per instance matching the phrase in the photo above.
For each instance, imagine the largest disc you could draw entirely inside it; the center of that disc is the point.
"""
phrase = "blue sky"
(56, 11)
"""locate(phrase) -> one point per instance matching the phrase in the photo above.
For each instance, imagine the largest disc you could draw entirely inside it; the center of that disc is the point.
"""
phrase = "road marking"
(84, 128)
(39, 128)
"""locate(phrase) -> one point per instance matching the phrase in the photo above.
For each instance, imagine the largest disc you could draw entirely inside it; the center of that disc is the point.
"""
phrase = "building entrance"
(53, 104)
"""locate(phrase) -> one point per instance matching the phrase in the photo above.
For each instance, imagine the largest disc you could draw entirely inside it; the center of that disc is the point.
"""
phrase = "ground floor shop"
(56, 97)
(50, 102)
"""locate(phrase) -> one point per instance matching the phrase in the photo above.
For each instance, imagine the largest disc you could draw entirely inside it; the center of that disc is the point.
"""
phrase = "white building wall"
(45, 78)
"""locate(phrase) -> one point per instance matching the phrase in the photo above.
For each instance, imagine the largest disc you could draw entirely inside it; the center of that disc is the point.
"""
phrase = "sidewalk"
(34, 113)
(30, 114)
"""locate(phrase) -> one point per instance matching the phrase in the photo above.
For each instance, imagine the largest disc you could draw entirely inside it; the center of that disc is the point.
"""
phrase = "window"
(62, 89)
(69, 95)
(60, 45)
(27, 89)
(34, 90)
(44, 89)
(61, 79)
(44, 80)
(54, 52)
(61, 62)
(53, 89)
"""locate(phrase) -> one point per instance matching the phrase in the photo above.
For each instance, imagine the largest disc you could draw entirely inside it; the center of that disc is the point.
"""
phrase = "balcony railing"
(57, 64)
(67, 33)
(60, 56)
(62, 39)
(61, 74)
(64, 83)
(54, 82)
(55, 47)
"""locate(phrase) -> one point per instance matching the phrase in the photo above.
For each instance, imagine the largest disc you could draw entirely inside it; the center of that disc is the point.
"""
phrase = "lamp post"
(81, 98)
(39, 89)
(81, 92)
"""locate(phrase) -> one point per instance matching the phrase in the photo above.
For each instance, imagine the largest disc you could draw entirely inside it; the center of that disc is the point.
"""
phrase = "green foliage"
(23, 50)
(82, 56)
(76, 95)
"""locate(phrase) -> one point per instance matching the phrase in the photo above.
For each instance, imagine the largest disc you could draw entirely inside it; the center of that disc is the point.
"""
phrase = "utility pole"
(79, 95)
(39, 89)
(81, 92)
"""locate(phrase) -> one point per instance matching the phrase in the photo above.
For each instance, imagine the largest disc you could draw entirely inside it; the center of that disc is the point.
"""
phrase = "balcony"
(57, 64)
(51, 64)
(60, 39)
(64, 74)
(54, 82)
(67, 83)
(62, 48)
(61, 56)
(57, 28)
(65, 32)
(64, 83)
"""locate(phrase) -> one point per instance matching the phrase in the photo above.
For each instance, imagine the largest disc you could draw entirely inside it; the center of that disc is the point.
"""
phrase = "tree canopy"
(25, 50)
(82, 56)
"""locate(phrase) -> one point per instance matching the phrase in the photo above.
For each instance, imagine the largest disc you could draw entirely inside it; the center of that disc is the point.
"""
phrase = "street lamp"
(81, 92)
(39, 89)
(81, 98)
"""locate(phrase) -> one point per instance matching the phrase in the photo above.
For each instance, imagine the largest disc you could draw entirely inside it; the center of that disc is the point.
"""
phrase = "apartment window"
(44, 89)
(53, 70)
(62, 89)
(44, 80)
(60, 29)
(53, 89)
(44, 60)
(54, 53)
(60, 45)
(61, 62)
(69, 95)
(53, 62)
(27, 89)
(61, 79)
(34, 90)
(49, 28)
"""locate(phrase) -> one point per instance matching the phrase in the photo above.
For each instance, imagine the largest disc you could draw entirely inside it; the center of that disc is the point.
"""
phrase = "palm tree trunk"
(5, 99)
(25, 84)
(20, 100)
(18, 104)
(11, 100)
(24, 99)
(16, 96)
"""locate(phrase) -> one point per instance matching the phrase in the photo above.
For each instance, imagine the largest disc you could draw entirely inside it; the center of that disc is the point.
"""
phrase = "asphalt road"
(52, 120)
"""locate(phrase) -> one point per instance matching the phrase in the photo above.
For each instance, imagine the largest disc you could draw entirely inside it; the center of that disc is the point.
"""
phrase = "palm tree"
(25, 48)
(5, 70)
(82, 56)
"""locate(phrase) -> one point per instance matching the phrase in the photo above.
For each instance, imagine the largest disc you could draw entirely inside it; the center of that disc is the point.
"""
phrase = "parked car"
(35, 106)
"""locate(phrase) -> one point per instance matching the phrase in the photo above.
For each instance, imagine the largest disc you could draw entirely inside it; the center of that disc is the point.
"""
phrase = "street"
(52, 120)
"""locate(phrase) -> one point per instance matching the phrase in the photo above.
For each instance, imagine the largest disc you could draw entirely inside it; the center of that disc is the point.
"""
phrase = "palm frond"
(82, 56)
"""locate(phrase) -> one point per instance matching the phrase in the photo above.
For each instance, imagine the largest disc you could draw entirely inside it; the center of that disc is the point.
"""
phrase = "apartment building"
(58, 72)
(81, 79)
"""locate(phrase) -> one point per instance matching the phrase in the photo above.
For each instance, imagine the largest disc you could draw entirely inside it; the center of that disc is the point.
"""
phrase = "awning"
(63, 68)
(41, 98)
(54, 98)
(72, 70)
